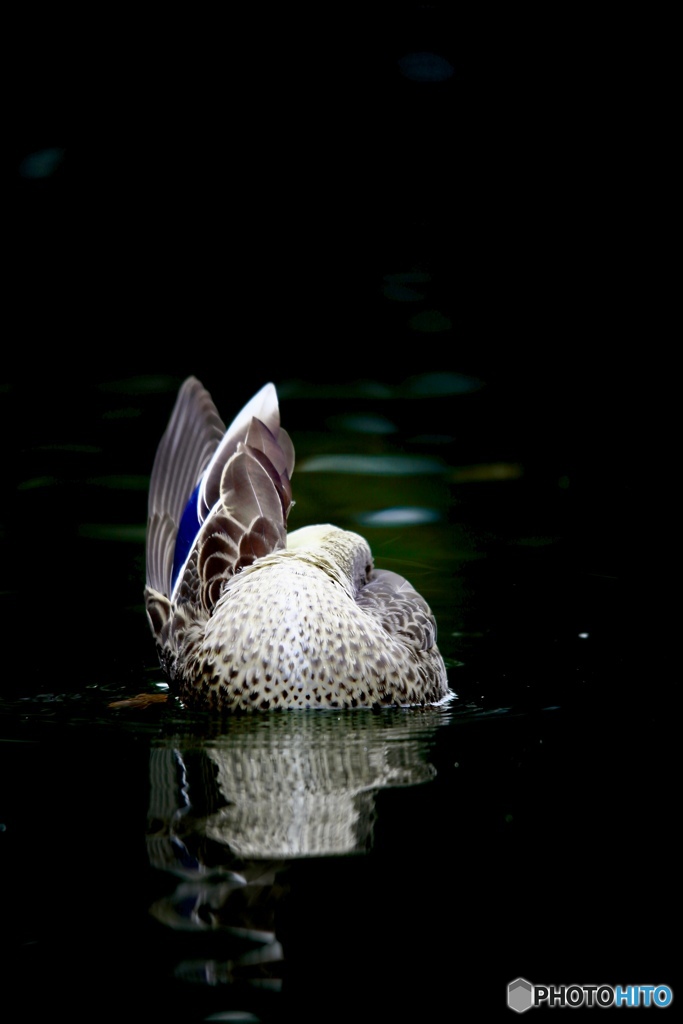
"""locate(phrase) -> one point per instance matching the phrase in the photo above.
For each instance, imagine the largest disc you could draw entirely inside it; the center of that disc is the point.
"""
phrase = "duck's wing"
(248, 521)
(263, 407)
(193, 434)
(404, 613)
(187, 488)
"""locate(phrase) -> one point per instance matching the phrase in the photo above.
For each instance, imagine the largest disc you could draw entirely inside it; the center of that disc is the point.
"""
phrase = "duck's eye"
(368, 571)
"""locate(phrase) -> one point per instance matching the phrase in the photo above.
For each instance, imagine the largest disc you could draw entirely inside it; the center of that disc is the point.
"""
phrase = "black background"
(231, 197)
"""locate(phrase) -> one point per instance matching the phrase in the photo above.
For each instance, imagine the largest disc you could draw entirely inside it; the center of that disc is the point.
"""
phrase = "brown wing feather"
(264, 408)
(248, 522)
(401, 610)
(192, 436)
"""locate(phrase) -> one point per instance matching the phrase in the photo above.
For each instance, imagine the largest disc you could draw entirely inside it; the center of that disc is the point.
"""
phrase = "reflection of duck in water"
(285, 786)
(245, 615)
(229, 813)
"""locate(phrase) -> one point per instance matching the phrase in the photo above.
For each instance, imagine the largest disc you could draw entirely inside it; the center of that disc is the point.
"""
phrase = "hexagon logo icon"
(520, 995)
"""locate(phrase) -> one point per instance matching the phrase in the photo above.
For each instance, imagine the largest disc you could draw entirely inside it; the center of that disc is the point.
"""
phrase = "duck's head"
(346, 551)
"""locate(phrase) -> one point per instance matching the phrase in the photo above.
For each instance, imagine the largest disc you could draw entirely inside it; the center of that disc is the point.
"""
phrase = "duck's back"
(285, 633)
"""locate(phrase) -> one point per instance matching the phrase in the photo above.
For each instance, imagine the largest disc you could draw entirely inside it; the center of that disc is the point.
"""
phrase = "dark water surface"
(405, 865)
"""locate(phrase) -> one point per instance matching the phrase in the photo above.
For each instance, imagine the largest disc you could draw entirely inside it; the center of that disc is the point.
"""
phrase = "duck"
(247, 616)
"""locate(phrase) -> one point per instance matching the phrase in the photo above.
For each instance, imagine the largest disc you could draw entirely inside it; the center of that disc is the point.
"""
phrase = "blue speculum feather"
(187, 531)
